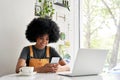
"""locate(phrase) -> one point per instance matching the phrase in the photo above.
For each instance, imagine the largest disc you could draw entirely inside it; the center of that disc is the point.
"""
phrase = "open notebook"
(87, 62)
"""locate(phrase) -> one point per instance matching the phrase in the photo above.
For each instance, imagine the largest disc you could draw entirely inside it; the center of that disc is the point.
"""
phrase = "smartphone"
(55, 60)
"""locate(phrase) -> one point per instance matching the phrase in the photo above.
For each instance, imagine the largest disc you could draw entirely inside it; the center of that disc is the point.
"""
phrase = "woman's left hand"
(50, 68)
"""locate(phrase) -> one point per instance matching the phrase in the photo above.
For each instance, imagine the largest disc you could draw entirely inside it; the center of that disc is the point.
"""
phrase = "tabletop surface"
(54, 76)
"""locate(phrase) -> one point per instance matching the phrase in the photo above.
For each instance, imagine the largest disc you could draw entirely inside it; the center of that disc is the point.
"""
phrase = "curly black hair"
(40, 26)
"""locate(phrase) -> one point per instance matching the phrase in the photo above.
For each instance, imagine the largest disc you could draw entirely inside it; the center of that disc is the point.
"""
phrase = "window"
(100, 27)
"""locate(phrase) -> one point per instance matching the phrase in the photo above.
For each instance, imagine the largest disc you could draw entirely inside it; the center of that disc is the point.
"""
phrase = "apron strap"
(31, 51)
(47, 51)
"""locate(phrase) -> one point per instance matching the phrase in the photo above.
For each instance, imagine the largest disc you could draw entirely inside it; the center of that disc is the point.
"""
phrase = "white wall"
(14, 17)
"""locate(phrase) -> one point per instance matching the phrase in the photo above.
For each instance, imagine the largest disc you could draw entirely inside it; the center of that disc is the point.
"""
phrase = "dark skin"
(41, 42)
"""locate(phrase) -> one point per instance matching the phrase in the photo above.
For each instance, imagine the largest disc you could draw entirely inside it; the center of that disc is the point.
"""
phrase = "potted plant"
(44, 8)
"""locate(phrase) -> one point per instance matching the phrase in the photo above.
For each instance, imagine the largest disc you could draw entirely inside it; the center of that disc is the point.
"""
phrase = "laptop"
(87, 62)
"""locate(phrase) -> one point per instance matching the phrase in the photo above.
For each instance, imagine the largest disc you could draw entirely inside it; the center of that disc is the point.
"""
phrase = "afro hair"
(40, 26)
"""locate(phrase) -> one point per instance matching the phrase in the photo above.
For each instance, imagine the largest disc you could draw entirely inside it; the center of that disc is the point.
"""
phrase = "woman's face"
(42, 41)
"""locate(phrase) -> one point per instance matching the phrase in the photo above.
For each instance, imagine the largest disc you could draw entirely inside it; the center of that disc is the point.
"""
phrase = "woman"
(41, 31)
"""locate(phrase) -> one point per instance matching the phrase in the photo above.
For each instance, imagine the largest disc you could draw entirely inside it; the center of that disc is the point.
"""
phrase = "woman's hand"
(49, 68)
(20, 63)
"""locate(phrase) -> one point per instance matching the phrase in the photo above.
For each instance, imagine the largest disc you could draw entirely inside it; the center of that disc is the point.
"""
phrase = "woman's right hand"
(20, 63)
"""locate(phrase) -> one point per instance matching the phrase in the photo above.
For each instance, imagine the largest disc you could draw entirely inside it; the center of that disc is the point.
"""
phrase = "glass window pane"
(100, 27)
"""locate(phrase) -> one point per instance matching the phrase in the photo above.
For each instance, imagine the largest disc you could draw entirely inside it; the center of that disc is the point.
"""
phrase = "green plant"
(46, 8)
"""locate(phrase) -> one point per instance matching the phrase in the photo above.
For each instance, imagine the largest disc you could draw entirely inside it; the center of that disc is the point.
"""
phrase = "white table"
(53, 76)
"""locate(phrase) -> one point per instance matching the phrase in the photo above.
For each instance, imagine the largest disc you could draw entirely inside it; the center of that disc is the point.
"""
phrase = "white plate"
(27, 74)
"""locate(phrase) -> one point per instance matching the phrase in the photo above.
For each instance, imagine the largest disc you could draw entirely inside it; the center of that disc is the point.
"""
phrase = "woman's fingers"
(51, 67)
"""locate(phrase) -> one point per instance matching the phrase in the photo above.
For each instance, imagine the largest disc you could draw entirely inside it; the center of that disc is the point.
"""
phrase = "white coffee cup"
(26, 69)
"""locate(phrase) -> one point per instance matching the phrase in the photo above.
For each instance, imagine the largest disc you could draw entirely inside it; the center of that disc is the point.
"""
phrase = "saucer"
(26, 74)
